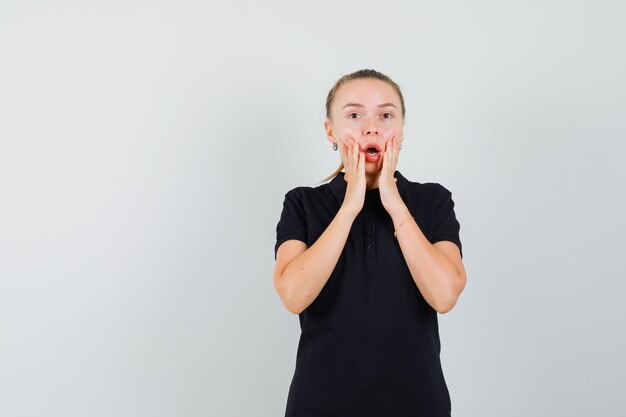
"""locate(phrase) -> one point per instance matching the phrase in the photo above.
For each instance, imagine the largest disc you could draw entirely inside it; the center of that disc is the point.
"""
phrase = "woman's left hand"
(389, 194)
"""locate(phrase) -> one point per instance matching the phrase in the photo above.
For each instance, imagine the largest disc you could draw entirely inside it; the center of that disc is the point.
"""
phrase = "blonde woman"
(367, 260)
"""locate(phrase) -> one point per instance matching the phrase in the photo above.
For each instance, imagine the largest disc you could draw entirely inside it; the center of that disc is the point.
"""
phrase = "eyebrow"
(360, 105)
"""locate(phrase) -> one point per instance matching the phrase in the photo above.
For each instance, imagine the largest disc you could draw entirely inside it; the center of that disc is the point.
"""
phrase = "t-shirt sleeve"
(292, 223)
(446, 226)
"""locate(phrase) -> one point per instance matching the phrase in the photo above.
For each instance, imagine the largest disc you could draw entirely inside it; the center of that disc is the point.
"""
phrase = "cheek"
(346, 132)
(391, 131)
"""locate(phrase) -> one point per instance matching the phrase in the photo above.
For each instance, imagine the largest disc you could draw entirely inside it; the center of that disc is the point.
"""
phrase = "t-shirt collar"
(338, 185)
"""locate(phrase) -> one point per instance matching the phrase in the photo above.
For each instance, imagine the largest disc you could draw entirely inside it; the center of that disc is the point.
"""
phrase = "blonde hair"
(357, 75)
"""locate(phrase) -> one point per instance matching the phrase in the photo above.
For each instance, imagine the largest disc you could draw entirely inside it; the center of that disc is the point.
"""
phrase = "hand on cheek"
(390, 157)
(354, 164)
(344, 146)
(389, 194)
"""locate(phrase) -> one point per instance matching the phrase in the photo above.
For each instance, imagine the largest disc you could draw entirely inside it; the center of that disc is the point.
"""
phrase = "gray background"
(146, 147)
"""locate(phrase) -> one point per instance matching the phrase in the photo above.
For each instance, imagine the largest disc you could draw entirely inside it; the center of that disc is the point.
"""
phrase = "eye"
(353, 115)
(387, 115)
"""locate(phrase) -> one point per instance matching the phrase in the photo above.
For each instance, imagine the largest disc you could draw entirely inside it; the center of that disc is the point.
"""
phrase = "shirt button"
(370, 233)
(369, 219)
(369, 246)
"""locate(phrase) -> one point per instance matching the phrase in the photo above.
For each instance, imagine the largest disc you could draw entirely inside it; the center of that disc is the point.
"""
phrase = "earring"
(400, 146)
(334, 146)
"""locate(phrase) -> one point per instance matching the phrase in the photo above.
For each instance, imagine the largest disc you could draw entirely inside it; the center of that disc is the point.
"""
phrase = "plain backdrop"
(146, 147)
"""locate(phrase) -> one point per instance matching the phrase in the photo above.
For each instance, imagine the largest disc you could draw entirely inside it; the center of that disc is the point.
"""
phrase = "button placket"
(369, 237)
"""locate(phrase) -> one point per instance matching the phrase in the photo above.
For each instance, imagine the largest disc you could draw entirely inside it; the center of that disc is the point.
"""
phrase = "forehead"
(366, 91)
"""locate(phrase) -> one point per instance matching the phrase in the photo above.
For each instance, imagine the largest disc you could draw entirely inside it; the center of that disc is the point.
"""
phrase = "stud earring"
(400, 146)
(334, 146)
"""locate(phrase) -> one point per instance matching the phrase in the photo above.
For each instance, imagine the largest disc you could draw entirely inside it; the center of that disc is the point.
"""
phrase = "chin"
(372, 168)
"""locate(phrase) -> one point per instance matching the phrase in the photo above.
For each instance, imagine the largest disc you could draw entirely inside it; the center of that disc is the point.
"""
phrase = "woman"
(367, 261)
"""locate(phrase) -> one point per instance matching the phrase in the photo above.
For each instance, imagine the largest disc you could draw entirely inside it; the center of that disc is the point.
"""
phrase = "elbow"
(294, 309)
(287, 296)
(445, 304)
(292, 305)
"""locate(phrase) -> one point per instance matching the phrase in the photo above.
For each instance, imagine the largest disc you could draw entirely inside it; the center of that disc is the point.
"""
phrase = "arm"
(301, 273)
(437, 269)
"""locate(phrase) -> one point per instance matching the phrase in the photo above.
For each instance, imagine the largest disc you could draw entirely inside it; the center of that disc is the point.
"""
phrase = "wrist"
(399, 214)
(347, 213)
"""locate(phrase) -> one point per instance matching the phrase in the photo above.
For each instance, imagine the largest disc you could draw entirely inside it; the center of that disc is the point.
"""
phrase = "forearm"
(303, 279)
(435, 276)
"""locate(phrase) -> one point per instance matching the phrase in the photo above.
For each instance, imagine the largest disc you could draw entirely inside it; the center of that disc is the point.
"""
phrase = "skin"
(366, 111)
(437, 269)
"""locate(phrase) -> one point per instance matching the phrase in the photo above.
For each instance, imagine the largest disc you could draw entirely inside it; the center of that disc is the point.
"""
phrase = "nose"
(370, 127)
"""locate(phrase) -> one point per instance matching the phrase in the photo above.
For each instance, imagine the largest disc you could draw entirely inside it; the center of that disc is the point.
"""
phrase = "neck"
(371, 180)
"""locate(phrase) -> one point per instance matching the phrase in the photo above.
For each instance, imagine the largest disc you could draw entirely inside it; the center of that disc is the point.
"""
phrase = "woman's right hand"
(354, 163)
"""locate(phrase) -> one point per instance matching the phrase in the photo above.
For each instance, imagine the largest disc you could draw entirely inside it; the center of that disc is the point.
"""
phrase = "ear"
(329, 132)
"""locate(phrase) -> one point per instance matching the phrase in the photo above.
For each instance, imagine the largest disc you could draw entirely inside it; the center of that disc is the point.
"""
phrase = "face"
(370, 112)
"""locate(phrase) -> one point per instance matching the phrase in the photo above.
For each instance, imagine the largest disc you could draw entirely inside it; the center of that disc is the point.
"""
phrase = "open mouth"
(372, 152)
(372, 149)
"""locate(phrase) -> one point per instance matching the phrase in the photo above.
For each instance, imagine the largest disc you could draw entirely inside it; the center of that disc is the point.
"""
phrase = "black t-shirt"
(369, 344)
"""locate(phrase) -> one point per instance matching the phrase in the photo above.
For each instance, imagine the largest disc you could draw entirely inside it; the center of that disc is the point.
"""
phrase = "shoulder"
(307, 193)
(430, 189)
(426, 197)
(307, 199)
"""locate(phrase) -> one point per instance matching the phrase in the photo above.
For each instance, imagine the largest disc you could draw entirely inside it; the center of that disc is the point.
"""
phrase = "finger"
(361, 165)
(385, 158)
(393, 156)
(353, 161)
(397, 154)
(389, 158)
